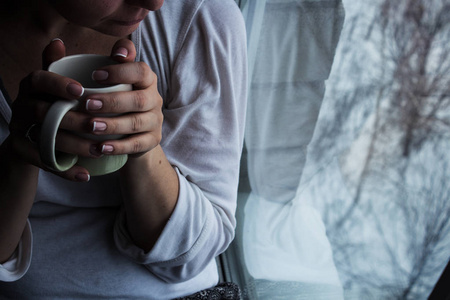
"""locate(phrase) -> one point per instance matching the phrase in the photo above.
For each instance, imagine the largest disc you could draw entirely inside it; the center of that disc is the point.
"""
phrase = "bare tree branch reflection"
(389, 115)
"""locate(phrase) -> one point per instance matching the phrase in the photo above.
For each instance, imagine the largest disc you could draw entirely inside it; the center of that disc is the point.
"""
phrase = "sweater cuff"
(20, 261)
(168, 251)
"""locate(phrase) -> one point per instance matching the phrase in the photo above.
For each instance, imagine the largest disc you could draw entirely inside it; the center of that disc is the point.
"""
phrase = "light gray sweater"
(76, 234)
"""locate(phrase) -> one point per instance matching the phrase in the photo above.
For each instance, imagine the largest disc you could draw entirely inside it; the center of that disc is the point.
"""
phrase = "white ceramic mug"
(80, 68)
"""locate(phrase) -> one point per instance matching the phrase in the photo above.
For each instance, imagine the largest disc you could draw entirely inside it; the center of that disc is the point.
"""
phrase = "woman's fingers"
(32, 103)
(128, 71)
(29, 150)
(137, 73)
(48, 83)
(133, 144)
(123, 102)
(128, 123)
(124, 51)
(67, 142)
(53, 52)
(73, 120)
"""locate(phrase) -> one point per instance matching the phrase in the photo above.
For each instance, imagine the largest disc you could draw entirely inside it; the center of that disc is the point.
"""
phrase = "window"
(344, 191)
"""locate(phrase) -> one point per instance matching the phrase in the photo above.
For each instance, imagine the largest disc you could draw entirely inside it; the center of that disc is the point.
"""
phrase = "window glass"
(344, 189)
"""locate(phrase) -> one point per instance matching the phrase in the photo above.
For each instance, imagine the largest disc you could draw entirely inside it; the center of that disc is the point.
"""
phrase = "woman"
(152, 229)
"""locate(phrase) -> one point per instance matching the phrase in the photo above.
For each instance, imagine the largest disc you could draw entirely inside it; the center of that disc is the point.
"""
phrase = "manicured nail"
(99, 126)
(92, 104)
(83, 177)
(59, 40)
(121, 51)
(75, 89)
(107, 149)
(100, 75)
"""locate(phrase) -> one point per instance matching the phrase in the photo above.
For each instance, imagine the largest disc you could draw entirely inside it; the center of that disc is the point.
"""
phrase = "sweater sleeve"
(203, 128)
(20, 261)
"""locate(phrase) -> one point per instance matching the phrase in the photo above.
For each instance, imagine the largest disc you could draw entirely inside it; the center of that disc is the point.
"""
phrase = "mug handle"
(55, 160)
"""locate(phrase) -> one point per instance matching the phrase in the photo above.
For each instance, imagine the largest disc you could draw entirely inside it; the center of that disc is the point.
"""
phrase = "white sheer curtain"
(291, 46)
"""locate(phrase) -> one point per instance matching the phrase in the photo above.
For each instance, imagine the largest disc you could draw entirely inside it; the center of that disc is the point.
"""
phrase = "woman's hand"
(141, 115)
(36, 93)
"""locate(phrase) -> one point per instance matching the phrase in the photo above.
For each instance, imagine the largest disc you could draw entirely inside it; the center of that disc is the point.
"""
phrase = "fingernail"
(92, 104)
(107, 149)
(59, 40)
(75, 89)
(99, 126)
(83, 177)
(121, 51)
(100, 75)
